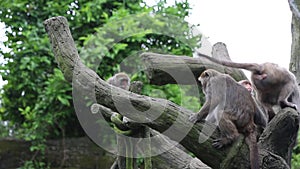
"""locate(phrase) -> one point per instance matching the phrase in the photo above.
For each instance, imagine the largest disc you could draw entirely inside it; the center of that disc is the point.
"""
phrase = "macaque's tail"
(254, 156)
(253, 67)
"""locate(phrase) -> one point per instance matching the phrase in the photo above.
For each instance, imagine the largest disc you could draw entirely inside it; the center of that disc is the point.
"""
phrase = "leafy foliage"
(296, 155)
(36, 102)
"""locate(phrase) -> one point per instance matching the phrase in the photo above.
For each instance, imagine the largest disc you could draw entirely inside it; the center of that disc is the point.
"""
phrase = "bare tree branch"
(161, 69)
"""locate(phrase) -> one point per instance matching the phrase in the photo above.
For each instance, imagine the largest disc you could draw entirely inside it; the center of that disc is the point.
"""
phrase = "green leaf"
(63, 100)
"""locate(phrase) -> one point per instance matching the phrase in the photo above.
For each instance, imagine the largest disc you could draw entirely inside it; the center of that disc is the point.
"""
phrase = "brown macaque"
(260, 117)
(274, 85)
(121, 80)
(136, 87)
(247, 85)
(234, 109)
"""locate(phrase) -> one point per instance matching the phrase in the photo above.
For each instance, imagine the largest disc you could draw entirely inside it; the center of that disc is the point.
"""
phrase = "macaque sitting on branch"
(121, 80)
(275, 85)
(233, 108)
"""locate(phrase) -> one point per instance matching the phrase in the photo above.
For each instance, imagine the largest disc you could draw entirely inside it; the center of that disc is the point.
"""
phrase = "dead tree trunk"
(167, 117)
(295, 52)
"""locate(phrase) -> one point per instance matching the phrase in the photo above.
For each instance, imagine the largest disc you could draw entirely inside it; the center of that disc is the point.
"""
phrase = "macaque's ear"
(205, 74)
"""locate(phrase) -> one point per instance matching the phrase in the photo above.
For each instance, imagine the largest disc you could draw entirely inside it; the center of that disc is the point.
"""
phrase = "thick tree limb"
(295, 48)
(158, 114)
(174, 158)
(161, 69)
(281, 134)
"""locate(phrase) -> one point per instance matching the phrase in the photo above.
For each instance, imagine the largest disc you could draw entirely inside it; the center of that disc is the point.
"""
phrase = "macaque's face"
(124, 84)
(248, 86)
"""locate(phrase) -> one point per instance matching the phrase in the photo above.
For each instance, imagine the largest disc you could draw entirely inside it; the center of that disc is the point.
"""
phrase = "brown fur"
(233, 108)
(260, 117)
(275, 85)
(121, 80)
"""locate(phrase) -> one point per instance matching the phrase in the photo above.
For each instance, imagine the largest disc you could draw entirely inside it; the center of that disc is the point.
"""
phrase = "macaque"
(274, 85)
(234, 109)
(136, 87)
(260, 117)
(247, 85)
(121, 80)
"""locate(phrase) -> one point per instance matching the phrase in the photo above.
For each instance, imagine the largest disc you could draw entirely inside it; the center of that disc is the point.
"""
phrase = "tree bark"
(172, 158)
(161, 69)
(281, 134)
(164, 116)
(295, 49)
